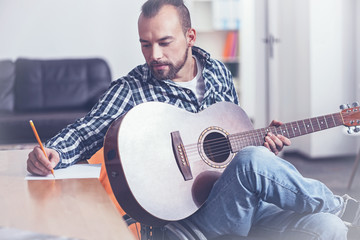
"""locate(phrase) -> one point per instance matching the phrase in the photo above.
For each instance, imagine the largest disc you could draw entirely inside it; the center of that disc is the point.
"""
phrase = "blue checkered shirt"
(80, 140)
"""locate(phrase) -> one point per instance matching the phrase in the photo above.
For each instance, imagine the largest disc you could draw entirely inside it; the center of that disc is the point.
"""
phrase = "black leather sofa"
(52, 93)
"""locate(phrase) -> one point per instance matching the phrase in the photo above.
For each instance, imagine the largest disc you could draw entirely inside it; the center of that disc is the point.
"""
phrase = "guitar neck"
(290, 130)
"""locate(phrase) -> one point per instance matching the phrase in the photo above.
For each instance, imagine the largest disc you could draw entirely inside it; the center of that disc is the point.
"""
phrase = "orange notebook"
(97, 158)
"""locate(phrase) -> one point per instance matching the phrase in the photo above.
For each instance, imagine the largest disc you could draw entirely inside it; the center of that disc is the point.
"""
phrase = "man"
(258, 193)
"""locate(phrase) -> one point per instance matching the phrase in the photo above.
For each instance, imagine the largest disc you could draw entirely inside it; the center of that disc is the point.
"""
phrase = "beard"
(173, 68)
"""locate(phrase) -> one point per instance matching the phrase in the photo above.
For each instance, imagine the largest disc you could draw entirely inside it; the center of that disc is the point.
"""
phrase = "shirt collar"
(201, 54)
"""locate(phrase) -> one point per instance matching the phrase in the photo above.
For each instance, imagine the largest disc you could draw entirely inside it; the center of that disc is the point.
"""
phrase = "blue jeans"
(260, 194)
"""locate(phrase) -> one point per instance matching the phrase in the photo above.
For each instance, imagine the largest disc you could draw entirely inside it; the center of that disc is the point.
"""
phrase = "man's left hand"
(276, 143)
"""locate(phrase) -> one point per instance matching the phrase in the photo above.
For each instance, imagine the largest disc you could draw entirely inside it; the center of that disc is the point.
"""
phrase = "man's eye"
(145, 44)
(163, 44)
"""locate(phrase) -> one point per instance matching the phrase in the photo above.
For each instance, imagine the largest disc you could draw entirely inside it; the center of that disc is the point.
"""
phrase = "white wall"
(293, 68)
(252, 56)
(72, 28)
(333, 74)
(316, 67)
(358, 48)
(358, 55)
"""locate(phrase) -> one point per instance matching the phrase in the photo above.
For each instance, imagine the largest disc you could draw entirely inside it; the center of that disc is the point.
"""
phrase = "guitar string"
(218, 151)
(246, 137)
(251, 138)
(195, 157)
(283, 129)
(214, 151)
(254, 137)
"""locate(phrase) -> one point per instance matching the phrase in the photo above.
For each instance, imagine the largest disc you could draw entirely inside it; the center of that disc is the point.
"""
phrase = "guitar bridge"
(181, 156)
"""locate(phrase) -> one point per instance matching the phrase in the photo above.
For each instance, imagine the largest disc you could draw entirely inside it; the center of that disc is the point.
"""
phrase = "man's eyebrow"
(166, 38)
(159, 40)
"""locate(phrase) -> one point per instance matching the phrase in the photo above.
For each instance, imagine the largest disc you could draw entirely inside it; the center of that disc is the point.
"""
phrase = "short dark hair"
(151, 7)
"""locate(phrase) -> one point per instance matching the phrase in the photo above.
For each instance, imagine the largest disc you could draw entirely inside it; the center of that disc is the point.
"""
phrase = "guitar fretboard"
(289, 130)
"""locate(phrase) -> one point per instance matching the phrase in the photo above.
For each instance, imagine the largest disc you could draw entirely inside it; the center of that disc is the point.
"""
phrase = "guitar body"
(148, 178)
(162, 161)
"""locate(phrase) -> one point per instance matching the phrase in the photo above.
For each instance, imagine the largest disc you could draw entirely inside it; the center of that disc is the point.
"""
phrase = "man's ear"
(191, 37)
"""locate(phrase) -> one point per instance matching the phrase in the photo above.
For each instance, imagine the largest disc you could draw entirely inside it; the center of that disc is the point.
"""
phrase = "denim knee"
(251, 158)
(277, 181)
(248, 166)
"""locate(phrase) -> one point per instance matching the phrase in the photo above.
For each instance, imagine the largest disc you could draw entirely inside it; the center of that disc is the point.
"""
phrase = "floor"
(334, 172)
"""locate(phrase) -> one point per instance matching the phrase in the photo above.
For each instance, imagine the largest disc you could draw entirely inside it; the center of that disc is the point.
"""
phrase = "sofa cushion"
(7, 78)
(15, 127)
(59, 84)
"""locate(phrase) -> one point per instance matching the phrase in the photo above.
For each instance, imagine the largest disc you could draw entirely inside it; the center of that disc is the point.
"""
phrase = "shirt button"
(188, 91)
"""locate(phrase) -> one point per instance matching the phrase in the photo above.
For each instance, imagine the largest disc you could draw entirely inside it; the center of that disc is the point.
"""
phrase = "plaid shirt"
(80, 140)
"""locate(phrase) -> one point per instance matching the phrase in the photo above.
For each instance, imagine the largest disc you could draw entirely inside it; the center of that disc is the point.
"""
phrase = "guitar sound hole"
(216, 147)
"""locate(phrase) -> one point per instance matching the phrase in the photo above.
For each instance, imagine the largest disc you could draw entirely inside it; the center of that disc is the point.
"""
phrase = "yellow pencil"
(39, 141)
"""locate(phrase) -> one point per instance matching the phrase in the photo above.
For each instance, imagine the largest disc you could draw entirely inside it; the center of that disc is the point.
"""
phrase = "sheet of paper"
(18, 234)
(74, 171)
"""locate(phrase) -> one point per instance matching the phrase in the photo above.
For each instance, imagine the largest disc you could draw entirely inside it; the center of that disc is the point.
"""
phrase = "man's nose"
(156, 52)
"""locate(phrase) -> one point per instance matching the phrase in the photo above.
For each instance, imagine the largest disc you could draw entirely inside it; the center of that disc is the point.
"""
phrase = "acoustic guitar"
(162, 161)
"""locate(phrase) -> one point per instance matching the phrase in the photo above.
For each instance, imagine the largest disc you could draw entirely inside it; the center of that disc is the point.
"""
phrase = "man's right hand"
(38, 164)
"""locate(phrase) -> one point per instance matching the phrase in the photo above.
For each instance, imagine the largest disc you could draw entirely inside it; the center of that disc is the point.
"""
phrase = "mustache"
(152, 63)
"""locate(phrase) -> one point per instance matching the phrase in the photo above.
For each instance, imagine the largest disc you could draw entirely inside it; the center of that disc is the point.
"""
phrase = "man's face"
(163, 43)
